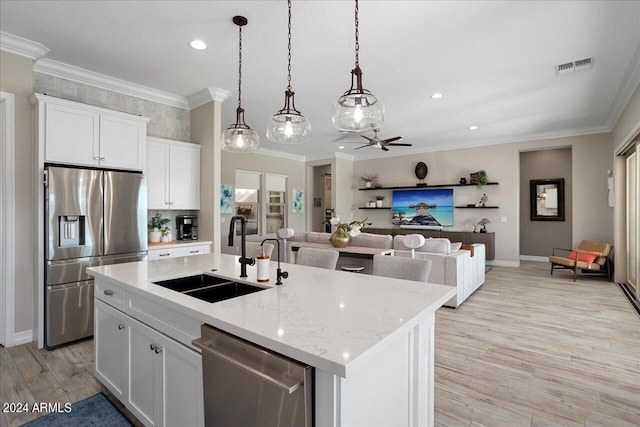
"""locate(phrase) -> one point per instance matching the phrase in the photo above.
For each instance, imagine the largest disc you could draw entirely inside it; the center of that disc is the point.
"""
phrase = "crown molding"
(627, 87)
(21, 46)
(329, 156)
(103, 81)
(281, 154)
(207, 95)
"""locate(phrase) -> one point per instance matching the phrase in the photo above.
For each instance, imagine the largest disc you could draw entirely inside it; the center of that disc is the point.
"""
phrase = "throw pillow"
(585, 256)
(455, 246)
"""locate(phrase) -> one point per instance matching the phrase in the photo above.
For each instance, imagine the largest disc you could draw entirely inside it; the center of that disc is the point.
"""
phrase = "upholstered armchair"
(592, 256)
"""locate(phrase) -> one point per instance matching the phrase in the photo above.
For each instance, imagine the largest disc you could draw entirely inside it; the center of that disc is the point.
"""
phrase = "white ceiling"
(493, 60)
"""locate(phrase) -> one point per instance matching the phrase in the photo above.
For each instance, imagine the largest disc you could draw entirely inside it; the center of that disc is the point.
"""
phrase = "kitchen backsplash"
(166, 121)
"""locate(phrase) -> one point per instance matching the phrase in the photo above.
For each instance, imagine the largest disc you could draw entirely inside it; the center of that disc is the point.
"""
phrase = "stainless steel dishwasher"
(247, 385)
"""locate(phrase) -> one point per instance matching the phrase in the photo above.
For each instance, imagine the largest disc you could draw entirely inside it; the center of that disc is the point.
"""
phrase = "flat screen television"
(423, 206)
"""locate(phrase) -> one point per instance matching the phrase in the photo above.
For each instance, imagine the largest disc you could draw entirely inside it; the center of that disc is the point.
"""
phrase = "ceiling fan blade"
(367, 138)
(362, 146)
(384, 148)
(391, 139)
(397, 144)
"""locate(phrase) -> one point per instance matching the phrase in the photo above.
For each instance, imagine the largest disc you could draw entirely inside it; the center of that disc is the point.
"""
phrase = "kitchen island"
(370, 339)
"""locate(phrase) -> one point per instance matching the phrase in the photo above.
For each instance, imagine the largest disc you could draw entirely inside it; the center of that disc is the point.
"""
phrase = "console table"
(466, 237)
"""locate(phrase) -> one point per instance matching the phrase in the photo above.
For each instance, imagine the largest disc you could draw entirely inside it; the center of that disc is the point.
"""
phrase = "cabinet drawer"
(112, 295)
(176, 252)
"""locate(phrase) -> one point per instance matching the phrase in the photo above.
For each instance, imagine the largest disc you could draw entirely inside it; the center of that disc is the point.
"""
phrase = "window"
(276, 207)
(247, 200)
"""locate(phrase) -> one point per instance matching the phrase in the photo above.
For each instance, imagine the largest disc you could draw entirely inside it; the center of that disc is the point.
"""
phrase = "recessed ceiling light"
(198, 44)
(473, 127)
(341, 147)
(437, 95)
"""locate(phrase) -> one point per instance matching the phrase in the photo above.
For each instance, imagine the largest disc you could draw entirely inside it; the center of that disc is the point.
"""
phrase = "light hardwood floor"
(538, 350)
(525, 349)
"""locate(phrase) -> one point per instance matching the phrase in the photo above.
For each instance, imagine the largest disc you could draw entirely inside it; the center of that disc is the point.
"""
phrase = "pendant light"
(239, 137)
(289, 126)
(358, 109)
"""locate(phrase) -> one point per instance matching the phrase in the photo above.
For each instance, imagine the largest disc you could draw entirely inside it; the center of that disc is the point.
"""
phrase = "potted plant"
(479, 178)
(158, 228)
(482, 224)
(379, 200)
(368, 179)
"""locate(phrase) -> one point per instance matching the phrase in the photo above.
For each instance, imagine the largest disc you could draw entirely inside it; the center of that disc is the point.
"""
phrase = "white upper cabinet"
(173, 175)
(79, 134)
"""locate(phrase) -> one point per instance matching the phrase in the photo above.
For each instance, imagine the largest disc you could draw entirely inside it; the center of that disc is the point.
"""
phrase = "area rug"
(93, 411)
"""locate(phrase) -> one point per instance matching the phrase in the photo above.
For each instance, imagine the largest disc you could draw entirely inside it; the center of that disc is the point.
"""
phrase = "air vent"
(570, 67)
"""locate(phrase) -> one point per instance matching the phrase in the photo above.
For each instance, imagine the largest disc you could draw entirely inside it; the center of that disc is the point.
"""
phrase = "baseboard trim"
(23, 337)
(500, 263)
(534, 258)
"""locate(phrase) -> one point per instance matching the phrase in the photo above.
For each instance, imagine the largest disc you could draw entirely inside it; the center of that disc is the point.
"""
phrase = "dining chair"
(321, 258)
(401, 268)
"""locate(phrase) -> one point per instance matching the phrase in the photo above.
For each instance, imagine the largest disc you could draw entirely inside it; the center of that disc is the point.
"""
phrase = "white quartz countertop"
(177, 244)
(325, 318)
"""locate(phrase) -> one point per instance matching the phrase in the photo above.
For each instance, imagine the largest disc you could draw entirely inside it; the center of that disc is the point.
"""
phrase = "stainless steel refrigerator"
(92, 217)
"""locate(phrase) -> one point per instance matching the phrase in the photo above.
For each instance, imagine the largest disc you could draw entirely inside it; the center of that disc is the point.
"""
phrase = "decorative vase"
(155, 235)
(378, 203)
(367, 184)
(166, 238)
(483, 229)
(340, 238)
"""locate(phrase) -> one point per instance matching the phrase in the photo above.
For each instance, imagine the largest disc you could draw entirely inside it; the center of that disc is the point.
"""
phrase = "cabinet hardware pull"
(193, 252)
(102, 159)
(120, 326)
(108, 292)
(152, 347)
(158, 349)
(164, 254)
(95, 158)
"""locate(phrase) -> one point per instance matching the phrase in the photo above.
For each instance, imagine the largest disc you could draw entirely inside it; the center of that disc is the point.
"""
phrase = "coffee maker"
(187, 226)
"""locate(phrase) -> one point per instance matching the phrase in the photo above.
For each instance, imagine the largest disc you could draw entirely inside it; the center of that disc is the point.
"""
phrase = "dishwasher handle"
(203, 344)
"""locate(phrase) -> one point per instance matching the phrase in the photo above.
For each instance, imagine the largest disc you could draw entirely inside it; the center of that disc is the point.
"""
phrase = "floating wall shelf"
(477, 207)
(366, 207)
(415, 187)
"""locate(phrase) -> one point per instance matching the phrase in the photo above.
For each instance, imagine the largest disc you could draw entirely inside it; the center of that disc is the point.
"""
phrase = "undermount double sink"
(208, 288)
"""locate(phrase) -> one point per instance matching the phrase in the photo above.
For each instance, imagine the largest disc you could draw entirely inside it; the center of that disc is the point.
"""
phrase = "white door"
(157, 175)
(122, 142)
(184, 176)
(183, 403)
(110, 349)
(72, 135)
(145, 374)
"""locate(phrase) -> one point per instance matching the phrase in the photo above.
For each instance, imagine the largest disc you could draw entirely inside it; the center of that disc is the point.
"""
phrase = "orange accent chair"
(592, 256)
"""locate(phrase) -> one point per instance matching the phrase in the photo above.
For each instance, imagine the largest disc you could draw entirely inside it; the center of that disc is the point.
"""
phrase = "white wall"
(592, 218)
(295, 171)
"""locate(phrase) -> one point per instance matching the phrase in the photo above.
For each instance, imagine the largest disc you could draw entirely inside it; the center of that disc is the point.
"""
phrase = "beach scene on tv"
(423, 207)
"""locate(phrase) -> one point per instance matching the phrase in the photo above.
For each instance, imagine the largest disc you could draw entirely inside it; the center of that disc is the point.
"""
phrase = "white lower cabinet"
(110, 340)
(173, 252)
(157, 378)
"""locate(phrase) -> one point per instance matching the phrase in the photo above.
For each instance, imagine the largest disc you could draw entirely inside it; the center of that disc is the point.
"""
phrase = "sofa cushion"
(315, 237)
(455, 246)
(299, 237)
(437, 246)
(370, 240)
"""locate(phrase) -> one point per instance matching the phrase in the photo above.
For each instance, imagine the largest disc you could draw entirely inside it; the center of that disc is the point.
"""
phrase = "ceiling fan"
(382, 143)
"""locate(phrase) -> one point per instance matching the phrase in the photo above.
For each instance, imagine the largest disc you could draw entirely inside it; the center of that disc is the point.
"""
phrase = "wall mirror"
(547, 199)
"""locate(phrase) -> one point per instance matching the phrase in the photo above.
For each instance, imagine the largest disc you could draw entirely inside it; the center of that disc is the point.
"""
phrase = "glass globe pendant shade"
(240, 138)
(288, 129)
(289, 126)
(358, 112)
(357, 109)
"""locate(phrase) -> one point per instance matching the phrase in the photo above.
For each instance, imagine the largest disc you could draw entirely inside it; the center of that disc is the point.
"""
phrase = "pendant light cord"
(289, 49)
(357, 39)
(240, 68)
